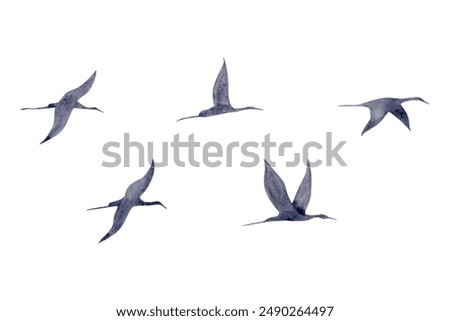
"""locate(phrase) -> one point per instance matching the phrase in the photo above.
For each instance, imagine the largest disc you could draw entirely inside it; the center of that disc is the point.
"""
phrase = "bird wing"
(276, 190)
(136, 189)
(401, 114)
(377, 113)
(79, 92)
(303, 195)
(119, 218)
(61, 117)
(220, 91)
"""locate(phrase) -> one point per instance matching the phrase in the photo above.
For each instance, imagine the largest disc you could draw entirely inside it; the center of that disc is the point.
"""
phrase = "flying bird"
(64, 107)
(132, 198)
(221, 100)
(287, 210)
(380, 107)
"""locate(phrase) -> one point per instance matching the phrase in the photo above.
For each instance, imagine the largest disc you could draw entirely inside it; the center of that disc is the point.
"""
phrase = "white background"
(385, 258)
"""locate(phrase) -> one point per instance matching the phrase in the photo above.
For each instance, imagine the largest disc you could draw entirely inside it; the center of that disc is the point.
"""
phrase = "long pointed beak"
(349, 105)
(254, 223)
(187, 118)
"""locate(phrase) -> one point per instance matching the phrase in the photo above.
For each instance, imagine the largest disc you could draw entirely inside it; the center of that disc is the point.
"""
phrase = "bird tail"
(97, 208)
(187, 118)
(112, 204)
(254, 223)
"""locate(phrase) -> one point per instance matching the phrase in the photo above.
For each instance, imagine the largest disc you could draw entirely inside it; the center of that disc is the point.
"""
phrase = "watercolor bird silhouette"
(64, 107)
(132, 198)
(221, 99)
(379, 108)
(287, 210)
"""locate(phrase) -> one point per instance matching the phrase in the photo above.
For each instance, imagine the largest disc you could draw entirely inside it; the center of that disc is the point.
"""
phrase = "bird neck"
(402, 100)
(245, 108)
(311, 216)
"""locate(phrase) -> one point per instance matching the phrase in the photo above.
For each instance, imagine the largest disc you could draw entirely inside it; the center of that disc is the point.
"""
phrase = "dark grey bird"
(64, 107)
(287, 210)
(379, 108)
(132, 198)
(221, 100)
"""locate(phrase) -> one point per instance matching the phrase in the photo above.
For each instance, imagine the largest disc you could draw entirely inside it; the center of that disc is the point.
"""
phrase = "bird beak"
(187, 118)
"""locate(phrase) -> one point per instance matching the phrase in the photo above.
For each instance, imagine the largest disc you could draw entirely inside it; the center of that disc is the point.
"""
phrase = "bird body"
(64, 107)
(221, 98)
(130, 200)
(287, 210)
(379, 108)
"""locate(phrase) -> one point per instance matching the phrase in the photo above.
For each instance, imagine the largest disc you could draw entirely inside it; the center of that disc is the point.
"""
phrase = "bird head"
(412, 98)
(323, 216)
(420, 99)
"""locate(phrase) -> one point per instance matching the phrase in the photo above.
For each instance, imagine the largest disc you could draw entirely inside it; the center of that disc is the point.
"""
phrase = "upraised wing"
(276, 190)
(220, 91)
(136, 189)
(79, 92)
(303, 195)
